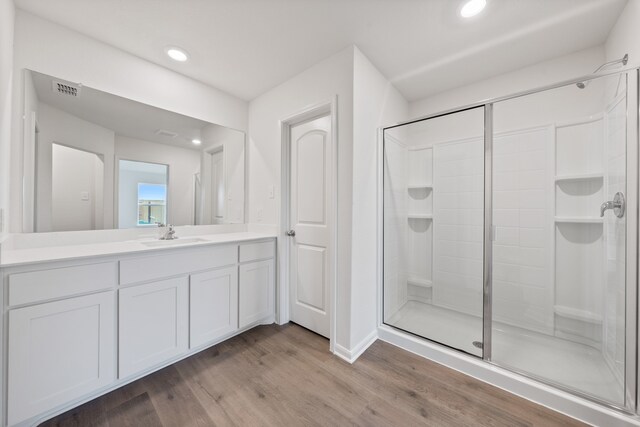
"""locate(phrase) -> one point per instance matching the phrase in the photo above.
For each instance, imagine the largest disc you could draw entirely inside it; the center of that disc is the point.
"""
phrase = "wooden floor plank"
(136, 412)
(284, 375)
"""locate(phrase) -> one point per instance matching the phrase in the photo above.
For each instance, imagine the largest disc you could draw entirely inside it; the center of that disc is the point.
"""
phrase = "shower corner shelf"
(580, 177)
(578, 220)
(419, 216)
(420, 187)
(577, 314)
(419, 281)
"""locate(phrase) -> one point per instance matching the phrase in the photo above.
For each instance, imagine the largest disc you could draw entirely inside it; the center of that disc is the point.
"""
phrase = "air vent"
(65, 88)
(167, 133)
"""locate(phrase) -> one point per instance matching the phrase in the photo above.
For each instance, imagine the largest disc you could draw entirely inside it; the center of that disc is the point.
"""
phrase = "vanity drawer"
(35, 286)
(255, 251)
(185, 261)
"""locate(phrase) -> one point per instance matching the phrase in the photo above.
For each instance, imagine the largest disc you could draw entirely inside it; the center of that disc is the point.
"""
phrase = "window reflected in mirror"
(142, 194)
(152, 204)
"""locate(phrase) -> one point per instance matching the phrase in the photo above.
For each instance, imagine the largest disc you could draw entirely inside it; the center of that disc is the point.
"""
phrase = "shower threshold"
(571, 364)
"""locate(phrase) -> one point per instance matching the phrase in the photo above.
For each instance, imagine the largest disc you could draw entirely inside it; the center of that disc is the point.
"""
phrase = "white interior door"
(310, 225)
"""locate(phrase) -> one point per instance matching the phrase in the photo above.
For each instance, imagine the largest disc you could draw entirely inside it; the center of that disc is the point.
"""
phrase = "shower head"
(622, 61)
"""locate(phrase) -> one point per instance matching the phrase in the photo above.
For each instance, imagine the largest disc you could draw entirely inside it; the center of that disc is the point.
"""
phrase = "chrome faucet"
(169, 234)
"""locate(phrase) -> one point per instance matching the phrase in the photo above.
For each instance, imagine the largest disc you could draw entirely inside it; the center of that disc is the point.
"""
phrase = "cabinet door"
(256, 291)
(153, 324)
(213, 305)
(59, 351)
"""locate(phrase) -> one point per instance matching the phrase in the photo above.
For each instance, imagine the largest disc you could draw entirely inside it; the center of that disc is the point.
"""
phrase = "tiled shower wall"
(458, 186)
(522, 251)
(523, 220)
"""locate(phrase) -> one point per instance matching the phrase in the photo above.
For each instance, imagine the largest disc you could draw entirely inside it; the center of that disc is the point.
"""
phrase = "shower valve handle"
(617, 205)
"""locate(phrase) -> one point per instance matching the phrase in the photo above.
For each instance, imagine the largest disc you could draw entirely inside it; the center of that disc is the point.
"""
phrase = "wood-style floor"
(285, 376)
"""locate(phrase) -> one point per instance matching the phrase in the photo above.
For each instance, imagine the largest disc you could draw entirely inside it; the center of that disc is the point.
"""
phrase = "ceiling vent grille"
(64, 88)
(167, 133)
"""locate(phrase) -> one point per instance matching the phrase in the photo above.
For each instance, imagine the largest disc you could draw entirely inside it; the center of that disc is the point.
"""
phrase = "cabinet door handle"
(291, 233)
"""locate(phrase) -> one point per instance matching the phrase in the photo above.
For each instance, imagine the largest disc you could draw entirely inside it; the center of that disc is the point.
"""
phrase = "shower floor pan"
(571, 364)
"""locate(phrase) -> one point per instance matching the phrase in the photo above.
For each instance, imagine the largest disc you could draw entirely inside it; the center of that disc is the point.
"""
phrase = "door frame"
(321, 109)
(212, 151)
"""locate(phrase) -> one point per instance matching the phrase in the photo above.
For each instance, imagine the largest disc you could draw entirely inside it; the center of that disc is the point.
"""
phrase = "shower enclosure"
(510, 233)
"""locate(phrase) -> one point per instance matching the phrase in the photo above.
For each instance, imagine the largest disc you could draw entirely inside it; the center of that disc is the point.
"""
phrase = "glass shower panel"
(558, 260)
(433, 228)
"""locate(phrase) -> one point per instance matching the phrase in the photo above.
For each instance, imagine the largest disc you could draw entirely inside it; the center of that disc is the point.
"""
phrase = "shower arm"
(624, 60)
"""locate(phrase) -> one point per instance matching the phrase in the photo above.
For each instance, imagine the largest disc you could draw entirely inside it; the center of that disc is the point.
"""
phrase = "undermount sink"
(174, 242)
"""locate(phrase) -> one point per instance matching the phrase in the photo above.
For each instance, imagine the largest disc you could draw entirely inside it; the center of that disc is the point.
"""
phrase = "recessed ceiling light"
(196, 141)
(472, 8)
(177, 54)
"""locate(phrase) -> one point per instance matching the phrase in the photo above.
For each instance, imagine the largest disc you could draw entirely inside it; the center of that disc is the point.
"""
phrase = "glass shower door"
(563, 215)
(433, 182)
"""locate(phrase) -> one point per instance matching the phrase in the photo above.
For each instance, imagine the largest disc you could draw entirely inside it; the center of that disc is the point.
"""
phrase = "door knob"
(291, 233)
(617, 204)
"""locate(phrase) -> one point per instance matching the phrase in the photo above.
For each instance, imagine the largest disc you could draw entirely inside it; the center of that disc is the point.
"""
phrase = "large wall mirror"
(94, 160)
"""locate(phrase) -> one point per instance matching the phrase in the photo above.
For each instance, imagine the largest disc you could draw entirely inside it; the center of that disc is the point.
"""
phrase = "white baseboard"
(353, 354)
(542, 394)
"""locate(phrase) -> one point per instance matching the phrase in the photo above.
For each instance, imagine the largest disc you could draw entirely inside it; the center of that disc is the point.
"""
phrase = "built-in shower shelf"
(580, 177)
(420, 216)
(578, 220)
(419, 281)
(577, 314)
(420, 187)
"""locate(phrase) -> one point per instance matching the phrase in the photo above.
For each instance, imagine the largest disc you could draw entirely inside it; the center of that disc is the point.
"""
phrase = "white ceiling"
(123, 116)
(246, 47)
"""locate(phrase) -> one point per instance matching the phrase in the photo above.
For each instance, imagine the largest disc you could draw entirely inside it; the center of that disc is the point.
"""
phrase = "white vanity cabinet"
(59, 351)
(153, 324)
(256, 282)
(78, 328)
(213, 305)
(256, 291)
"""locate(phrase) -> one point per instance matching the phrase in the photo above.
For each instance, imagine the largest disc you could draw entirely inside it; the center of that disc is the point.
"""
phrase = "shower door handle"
(618, 205)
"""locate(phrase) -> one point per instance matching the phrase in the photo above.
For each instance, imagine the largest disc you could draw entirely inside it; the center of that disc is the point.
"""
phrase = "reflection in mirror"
(142, 194)
(93, 161)
(76, 189)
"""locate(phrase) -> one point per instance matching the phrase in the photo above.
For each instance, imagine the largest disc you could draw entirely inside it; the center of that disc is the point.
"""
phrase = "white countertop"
(16, 257)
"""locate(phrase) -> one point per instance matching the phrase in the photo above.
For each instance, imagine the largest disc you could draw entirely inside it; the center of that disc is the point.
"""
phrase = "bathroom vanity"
(81, 320)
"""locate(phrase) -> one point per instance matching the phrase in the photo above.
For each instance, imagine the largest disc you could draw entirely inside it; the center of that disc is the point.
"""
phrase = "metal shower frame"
(631, 404)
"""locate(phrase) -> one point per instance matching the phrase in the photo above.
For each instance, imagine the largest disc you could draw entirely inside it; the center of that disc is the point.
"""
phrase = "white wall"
(376, 103)
(7, 12)
(30, 114)
(366, 101)
(318, 84)
(49, 48)
(75, 173)
(233, 144)
(6, 86)
(548, 72)
(625, 34)
(183, 164)
(57, 126)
